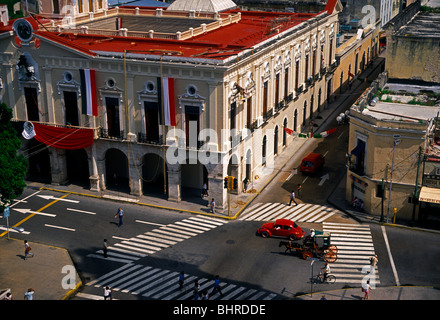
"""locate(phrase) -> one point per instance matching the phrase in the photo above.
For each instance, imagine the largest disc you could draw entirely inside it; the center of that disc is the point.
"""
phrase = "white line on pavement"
(58, 227)
(396, 277)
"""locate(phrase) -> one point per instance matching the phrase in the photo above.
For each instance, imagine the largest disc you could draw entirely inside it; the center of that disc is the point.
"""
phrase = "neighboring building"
(239, 79)
(399, 124)
(354, 53)
(394, 152)
(414, 36)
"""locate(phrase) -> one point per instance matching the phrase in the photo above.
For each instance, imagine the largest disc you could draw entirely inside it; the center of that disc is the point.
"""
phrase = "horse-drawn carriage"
(316, 245)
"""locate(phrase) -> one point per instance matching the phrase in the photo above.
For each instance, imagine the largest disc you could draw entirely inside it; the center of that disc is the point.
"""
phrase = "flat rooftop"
(424, 25)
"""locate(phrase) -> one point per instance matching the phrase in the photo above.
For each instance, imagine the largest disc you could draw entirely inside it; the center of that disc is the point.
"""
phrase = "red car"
(281, 228)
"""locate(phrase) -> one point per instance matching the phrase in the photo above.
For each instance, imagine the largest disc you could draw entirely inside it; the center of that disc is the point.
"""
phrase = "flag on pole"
(166, 94)
(88, 92)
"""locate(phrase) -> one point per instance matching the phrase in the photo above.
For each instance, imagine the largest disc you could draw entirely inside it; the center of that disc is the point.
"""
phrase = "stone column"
(94, 177)
(135, 178)
(58, 166)
(174, 182)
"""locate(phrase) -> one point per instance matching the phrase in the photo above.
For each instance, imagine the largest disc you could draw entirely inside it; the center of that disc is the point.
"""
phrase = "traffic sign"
(6, 212)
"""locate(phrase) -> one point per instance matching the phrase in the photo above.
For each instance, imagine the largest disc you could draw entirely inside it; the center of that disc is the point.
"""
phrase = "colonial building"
(155, 101)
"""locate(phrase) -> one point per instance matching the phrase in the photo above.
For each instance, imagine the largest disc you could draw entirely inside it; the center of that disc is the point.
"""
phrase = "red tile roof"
(221, 43)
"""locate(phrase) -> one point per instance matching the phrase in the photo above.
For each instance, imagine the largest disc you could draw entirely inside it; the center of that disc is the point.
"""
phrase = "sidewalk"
(380, 293)
(44, 272)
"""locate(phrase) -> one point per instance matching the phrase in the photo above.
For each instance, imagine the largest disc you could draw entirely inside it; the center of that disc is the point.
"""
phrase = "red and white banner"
(168, 101)
(88, 92)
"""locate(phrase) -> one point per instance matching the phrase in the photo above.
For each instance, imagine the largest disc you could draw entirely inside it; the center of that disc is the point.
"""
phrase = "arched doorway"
(275, 141)
(304, 113)
(249, 165)
(284, 132)
(263, 152)
(77, 164)
(39, 162)
(154, 176)
(193, 175)
(116, 170)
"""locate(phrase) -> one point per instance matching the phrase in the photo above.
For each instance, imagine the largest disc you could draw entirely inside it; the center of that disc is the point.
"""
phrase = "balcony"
(142, 138)
(111, 134)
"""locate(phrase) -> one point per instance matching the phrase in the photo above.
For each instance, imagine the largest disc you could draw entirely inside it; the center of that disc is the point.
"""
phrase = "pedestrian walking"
(105, 247)
(374, 260)
(298, 190)
(29, 295)
(107, 293)
(245, 184)
(292, 198)
(120, 215)
(196, 286)
(205, 190)
(212, 204)
(181, 280)
(205, 295)
(27, 250)
(217, 286)
(366, 289)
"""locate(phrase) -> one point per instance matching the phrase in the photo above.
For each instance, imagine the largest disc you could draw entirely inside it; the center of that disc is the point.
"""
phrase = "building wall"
(378, 162)
(346, 54)
(423, 53)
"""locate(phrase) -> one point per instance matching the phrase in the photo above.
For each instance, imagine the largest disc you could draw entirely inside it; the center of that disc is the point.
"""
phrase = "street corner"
(48, 270)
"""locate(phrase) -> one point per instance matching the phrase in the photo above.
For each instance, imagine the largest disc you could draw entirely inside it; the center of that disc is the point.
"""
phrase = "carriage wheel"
(307, 254)
(330, 257)
(333, 249)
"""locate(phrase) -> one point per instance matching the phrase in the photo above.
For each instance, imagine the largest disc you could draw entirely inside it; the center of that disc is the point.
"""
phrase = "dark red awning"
(64, 138)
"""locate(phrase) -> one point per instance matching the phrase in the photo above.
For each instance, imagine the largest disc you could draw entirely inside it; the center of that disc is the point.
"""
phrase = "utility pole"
(396, 141)
(416, 186)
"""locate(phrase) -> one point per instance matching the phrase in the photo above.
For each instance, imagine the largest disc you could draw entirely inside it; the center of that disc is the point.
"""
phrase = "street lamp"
(395, 143)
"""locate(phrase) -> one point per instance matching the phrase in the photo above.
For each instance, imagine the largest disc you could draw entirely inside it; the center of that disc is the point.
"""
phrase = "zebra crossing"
(303, 212)
(128, 250)
(355, 247)
(161, 284)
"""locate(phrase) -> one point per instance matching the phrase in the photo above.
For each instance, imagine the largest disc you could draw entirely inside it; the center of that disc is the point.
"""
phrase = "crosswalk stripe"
(129, 265)
(209, 221)
(139, 255)
(262, 210)
(179, 230)
(153, 241)
(355, 247)
(109, 258)
(191, 226)
(303, 212)
(133, 248)
(159, 274)
(166, 230)
(162, 284)
(128, 287)
(159, 241)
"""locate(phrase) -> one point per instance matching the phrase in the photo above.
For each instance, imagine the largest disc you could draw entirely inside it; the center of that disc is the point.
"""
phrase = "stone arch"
(116, 170)
(154, 175)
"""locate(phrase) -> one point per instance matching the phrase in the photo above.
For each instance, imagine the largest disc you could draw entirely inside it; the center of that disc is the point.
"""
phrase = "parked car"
(281, 228)
(312, 163)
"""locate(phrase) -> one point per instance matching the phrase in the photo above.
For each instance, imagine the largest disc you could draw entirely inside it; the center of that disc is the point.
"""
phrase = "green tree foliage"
(13, 166)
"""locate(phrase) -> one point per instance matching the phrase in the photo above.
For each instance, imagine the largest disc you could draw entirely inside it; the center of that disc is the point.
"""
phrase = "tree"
(13, 166)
